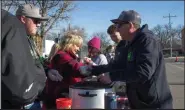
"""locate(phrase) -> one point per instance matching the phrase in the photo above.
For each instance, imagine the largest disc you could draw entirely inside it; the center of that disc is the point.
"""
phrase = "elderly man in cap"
(144, 73)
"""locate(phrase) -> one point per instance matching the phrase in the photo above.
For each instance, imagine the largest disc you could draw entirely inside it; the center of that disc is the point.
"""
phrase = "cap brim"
(115, 21)
(41, 18)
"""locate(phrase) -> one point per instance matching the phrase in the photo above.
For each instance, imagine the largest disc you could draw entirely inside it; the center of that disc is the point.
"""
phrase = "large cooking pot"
(88, 94)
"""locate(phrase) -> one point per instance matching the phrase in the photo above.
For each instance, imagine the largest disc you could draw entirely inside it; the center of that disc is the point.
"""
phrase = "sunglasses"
(36, 21)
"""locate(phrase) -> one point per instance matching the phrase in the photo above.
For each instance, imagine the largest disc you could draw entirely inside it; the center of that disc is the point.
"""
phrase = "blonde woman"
(65, 61)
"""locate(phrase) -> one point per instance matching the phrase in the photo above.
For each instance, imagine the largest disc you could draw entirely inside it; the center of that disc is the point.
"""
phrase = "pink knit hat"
(95, 42)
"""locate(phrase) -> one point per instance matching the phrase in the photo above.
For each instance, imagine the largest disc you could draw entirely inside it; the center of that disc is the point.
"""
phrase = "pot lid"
(90, 85)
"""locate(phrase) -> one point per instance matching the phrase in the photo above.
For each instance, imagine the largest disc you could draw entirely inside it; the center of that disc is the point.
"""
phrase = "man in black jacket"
(23, 75)
(145, 73)
(120, 50)
(21, 80)
(29, 15)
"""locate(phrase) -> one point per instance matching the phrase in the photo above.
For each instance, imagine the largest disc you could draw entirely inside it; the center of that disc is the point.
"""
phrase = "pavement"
(173, 59)
(175, 77)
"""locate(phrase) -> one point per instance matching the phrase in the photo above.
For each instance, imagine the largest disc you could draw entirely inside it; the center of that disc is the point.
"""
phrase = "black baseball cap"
(128, 16)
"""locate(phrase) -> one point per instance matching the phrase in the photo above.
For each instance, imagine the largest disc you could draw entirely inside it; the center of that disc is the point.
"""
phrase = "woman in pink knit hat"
(94, 52)
(95, 57)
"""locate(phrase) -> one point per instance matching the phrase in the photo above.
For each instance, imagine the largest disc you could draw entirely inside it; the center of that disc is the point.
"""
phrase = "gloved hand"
(104, 78)
(54, 75)
(85, 70)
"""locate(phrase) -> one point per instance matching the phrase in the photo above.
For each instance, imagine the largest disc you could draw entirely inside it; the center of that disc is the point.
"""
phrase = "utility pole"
(169, 16)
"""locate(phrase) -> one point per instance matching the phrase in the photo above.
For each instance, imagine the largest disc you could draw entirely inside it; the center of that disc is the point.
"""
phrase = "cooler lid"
(93, 85)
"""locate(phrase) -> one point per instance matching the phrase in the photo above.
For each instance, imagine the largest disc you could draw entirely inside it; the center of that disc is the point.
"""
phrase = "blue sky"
(95, 16)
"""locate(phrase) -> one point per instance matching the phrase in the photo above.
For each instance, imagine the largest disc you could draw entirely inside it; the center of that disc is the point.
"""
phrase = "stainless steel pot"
(88, 95)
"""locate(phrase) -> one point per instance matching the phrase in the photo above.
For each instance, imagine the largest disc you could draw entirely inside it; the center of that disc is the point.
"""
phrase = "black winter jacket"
(145, 73)
(117, 63)
(22, 78)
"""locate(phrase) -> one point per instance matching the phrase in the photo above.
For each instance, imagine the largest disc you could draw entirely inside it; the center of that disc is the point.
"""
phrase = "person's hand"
(104, 78)
(85, 70)
(87, 60)
(54, 75)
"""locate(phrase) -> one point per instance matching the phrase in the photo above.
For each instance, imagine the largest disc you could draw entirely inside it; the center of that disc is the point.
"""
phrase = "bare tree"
(6, 5)
(11, 5)
(164, 33)
(158, 31)
(51, 36)
(57, 11)
(178, 30)
(74, 30)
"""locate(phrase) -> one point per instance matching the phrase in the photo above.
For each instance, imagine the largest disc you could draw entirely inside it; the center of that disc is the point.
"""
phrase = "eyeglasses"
(118, 25)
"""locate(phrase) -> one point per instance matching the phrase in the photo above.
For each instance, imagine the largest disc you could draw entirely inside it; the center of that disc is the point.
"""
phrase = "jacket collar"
(138, 34)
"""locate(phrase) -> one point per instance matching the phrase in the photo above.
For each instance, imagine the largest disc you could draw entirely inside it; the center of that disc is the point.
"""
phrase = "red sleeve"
(75, 66)
(65, 58)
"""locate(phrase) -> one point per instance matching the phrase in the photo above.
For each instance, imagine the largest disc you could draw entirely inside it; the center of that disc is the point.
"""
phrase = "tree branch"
(39, 3)
(61, 11)
(53, 5)
(52, 23)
